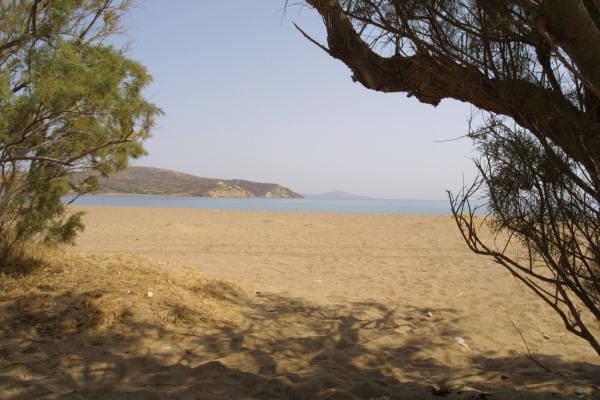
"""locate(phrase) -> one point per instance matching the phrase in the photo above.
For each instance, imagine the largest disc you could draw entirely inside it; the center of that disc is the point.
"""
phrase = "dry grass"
(68, 294)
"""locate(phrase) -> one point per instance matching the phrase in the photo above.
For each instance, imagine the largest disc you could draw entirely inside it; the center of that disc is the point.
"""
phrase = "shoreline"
(345, 206)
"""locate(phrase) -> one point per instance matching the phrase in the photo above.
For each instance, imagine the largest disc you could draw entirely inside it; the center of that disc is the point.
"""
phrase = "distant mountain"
(156, 181)
(337, 195)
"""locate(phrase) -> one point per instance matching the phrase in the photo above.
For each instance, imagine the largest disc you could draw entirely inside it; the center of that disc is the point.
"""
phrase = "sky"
(246, 96)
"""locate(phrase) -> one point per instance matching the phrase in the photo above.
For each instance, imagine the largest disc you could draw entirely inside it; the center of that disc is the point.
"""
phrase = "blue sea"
(363, 206)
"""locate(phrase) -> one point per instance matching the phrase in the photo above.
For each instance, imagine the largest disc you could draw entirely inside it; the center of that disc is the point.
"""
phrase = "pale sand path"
(345, 297)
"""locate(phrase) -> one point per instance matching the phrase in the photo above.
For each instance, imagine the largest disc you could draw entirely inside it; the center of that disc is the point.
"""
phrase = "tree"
(532, 68)
(69, 102)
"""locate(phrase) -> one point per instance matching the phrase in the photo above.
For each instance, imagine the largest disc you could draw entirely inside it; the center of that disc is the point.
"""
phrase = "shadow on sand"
(283, 349)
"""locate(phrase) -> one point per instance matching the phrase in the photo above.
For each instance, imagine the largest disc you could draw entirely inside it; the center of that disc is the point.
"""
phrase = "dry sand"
(337, 306)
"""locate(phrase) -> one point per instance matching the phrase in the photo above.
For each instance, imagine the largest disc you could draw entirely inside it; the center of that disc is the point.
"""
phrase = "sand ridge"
(338, 306)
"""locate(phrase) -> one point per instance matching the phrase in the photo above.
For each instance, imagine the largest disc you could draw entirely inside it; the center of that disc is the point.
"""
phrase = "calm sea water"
(421, 207)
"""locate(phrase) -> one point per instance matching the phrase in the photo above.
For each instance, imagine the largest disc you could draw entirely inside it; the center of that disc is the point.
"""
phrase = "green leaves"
(68, 103)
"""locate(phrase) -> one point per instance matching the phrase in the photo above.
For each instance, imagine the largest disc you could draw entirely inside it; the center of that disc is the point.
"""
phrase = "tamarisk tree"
(69, 102)
(533, 68)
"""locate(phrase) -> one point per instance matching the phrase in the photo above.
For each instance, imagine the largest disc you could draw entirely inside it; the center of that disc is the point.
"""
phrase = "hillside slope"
(156, 181)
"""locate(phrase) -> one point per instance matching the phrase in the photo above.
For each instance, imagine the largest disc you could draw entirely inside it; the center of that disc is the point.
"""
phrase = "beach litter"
(461, 341)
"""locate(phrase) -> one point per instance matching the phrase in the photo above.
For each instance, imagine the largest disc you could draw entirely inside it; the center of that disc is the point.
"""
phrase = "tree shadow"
(284, 348)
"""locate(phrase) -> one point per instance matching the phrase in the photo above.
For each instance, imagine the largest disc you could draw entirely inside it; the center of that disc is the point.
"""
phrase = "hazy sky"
(247, 96)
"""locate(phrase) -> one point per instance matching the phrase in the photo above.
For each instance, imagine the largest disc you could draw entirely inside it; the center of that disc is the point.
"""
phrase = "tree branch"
(571, 27)
(431, 78)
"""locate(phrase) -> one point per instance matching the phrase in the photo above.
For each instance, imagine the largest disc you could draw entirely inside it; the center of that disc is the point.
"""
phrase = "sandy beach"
(334, 306)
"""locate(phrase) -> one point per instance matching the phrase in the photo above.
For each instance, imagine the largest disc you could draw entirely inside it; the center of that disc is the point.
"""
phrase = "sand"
(336, 306)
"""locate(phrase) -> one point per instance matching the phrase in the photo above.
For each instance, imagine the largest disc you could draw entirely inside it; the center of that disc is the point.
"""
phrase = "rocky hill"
(156, 181)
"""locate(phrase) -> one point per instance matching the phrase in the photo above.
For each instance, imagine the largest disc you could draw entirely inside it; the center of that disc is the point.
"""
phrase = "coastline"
(352, 206)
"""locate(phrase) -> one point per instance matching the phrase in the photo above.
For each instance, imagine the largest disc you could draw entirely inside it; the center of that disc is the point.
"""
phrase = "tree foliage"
(532, 67)
(69, 102)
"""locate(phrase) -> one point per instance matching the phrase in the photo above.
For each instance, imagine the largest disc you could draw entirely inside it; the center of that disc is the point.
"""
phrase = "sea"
(352, 206)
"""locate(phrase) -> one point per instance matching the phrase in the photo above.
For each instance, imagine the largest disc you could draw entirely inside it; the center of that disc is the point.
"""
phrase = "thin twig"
(529, 355)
